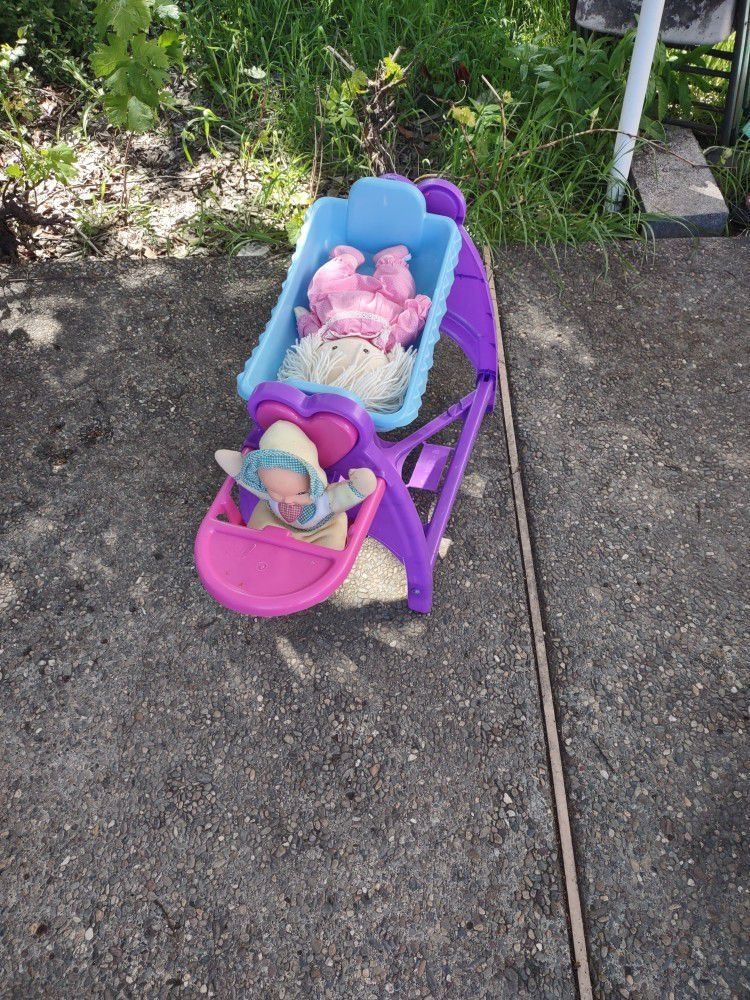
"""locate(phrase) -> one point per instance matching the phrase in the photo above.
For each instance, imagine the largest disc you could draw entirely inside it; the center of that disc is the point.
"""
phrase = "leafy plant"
(367, 105)
(579, 76)
(669, 86)
(501, 97)
(26, 168)
(37, 164)
(463, 115)
(339, 102)
(233, 232)
(133, 61)
(51, 27)
(23, 166)
(15, 82)
(731, 168)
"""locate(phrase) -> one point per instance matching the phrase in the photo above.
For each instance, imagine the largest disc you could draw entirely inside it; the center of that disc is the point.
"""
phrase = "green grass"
(549, 195)
(222, 231)
(263, 77)
(732, 173)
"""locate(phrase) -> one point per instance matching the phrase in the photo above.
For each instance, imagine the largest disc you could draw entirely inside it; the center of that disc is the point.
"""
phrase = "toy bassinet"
(378, 213)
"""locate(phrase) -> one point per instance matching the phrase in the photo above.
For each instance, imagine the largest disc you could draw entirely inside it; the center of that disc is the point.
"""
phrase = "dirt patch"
(148, 198)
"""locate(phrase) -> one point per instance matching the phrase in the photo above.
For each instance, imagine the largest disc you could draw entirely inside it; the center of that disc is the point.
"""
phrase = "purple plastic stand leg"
(470, 323)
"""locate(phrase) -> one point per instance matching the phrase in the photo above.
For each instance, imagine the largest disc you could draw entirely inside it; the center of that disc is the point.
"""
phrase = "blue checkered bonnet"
(271, 458)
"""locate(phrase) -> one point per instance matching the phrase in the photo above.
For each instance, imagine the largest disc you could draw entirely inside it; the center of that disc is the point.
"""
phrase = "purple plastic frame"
(470, 323)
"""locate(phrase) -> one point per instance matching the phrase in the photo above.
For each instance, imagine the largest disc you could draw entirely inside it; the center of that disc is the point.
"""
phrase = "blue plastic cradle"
(379, 212)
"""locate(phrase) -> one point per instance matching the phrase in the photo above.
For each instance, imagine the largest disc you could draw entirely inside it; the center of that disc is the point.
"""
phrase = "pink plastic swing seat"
(268, 572)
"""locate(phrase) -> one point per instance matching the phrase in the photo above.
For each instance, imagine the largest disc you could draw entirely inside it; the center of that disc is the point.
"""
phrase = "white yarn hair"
(381, 390)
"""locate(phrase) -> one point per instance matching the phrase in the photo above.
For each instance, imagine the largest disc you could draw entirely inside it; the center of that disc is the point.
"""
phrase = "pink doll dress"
(382, 308)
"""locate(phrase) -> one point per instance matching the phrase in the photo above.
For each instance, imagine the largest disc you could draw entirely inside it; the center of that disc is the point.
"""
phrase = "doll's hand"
(363, 481)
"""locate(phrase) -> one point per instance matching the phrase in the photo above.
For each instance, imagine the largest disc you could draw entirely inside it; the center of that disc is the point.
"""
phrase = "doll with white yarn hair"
(357, 333)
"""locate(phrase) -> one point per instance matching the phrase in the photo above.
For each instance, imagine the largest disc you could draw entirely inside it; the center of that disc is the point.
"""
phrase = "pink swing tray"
(269, 571)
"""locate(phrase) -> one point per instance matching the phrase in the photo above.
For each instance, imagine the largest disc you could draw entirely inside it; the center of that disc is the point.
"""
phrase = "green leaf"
(149, 53)
(293, 227)
(355, 85)
(684, 95)
(109, 56)
(62, 152)
(464, 116)
(392, 69)
(661, 101)
(124, 17)
(650, 128)
(167, 101)
(143, 86)
(171, 42)
(148, 71)
(61, 160)
(129, 113)
(14, 171)
(116, 107)
(119, 81)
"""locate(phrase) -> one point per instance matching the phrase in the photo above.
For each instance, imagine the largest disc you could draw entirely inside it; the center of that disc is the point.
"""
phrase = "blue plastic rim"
(378, 213)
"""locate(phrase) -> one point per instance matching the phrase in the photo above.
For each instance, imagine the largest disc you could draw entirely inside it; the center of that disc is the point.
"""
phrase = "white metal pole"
(646, 37)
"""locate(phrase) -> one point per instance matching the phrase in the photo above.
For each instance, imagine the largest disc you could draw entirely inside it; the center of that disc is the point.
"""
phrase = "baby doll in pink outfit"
(357, 333)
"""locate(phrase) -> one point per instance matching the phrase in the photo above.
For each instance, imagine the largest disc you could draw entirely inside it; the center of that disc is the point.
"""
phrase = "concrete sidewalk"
(630, 392)
(353, 802)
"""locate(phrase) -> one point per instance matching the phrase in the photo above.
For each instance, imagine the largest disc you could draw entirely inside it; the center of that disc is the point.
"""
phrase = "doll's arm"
(360, 484)
(307, 322)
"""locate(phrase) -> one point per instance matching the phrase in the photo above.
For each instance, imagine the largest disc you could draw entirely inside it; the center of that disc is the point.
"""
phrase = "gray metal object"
(636, 88)
(738, 89)
(685, 22)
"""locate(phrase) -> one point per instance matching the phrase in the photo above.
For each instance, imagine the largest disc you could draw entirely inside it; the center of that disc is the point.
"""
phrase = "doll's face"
(285, 486)
(348, 351)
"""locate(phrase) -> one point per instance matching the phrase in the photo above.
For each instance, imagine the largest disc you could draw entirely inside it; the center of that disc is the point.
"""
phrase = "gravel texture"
(631, 398)
(352, 802)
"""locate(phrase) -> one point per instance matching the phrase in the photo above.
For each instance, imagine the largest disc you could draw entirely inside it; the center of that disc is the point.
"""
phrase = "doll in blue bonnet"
(292, 488)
